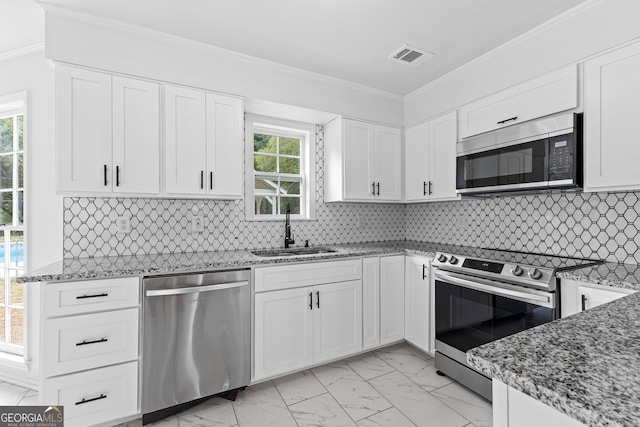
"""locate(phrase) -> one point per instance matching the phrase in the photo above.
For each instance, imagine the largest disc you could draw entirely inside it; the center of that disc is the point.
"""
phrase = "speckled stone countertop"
(142, 265)
(608, 274)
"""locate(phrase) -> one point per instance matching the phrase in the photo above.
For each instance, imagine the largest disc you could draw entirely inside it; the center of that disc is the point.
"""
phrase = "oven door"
(514, 167)
(471, 311)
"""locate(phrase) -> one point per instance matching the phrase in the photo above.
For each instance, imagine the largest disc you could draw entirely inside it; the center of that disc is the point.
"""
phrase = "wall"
(594, 225)
(597, 26)
(163, 226)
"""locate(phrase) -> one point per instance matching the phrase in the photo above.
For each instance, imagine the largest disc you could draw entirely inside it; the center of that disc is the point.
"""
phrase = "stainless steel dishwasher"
(196, 339)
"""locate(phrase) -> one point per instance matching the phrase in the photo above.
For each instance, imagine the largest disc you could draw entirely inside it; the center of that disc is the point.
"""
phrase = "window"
(12, 214)
(280, 169)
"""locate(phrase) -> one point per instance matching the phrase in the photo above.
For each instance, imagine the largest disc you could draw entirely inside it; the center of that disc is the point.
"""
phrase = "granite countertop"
(143, 265)
(608, 274)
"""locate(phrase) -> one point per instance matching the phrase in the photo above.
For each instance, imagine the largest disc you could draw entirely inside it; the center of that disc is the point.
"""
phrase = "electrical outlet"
(124, 224)
(197, 224)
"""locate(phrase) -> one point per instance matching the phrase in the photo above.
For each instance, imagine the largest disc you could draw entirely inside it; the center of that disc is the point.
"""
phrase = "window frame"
(255, 124)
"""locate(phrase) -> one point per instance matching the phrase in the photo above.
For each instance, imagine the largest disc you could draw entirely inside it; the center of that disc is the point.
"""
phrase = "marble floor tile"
(261, 405)
(321, 411)
(466, 403)
(419, 367)
(216, 412)
(416, 403)
(332, 372)
(390, 417)
(369, 366)
(298, 387)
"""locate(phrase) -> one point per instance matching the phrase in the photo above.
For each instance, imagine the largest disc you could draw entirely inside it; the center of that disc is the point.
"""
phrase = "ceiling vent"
(411, 55)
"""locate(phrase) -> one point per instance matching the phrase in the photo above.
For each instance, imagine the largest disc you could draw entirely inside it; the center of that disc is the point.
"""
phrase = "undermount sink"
(292, 252)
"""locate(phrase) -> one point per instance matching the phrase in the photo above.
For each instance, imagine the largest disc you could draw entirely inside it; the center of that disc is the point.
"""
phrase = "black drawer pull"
(202, 180)
(310, 300)
(105, 175)
(210, 180)
(424, 267)
(117, 176)
(83, 401)
(318, 295)
(92, 296)
(424, 188)
(507, 120)
(378, 185)
(584, 302)
(373, 187)
(430, 184)
(91, 342)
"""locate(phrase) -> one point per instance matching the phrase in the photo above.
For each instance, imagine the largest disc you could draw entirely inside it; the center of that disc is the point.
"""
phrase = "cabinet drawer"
(61, 299)
(96, 396)
(296, 275)
(88, 341)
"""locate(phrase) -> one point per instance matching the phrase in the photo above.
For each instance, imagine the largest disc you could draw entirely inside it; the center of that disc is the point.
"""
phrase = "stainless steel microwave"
(536, 156)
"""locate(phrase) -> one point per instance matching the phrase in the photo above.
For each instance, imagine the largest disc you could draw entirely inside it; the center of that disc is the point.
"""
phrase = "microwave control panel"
(561, 158)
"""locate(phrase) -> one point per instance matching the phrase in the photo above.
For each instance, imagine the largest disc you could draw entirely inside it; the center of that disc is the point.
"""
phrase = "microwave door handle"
(486, 286)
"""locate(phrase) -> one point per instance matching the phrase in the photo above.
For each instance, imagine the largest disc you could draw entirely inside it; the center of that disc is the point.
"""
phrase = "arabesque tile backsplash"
(594, 225)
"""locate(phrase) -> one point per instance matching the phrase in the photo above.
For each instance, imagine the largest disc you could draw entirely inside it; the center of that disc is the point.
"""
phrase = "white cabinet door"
(225, 139)
(442, 134)
(283, 331)
(83, 125)
(387, 163)
(391, 299)
(544, 95)
(370, 302)
(359, 154)
(418, 303)
(185, 138)
(417, 164)
(579, 296)
(611, 111)
(136, 136)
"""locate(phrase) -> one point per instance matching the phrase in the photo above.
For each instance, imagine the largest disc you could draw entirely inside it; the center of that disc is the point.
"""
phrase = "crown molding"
(557, 20)
(25, 50)
(209, 49)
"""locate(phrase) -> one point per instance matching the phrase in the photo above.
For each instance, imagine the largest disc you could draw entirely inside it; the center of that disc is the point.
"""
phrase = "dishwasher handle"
(195, 289)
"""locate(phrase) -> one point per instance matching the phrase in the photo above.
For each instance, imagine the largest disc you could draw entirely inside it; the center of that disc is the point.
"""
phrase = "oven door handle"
(494, 288)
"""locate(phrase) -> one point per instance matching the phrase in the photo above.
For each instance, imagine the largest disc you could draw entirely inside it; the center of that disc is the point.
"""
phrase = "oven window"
(466, 318)
(517, 164)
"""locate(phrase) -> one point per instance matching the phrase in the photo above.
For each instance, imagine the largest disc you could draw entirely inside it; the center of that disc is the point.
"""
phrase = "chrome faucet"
(288, 235)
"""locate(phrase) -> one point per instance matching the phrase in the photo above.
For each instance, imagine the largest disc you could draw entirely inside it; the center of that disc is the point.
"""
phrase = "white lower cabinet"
(382, 300)
(301, 326)
(579, 296)
(90, 349)
(418, 303)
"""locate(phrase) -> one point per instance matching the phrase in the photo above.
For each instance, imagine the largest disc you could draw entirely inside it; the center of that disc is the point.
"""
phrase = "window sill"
(279, 218)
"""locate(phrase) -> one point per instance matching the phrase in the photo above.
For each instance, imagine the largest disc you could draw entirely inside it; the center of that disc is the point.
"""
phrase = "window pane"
(266, 205)
(2, 334)
(6, 208)
(20, 208)
(289, 187)
(265, 143)
(288, 165)
(16, 290)
(2, 292)
(16, 256)
(6, 135)
(265, 163)
(290, 146)
(266, 186)
(6, 171)
(20, 132)
(20, 157)
(294, 202)
(17, 321)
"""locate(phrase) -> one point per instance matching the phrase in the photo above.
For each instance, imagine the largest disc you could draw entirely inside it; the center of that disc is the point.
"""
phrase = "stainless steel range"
(484, 295)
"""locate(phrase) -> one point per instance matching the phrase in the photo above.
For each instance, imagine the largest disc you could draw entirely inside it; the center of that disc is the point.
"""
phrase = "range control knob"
(535, 274)
(453, 260)
(442, 258)
(517, 271)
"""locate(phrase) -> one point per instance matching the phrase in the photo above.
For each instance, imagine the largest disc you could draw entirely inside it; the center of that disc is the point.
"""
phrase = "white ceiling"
(21, 24)
(347, 39)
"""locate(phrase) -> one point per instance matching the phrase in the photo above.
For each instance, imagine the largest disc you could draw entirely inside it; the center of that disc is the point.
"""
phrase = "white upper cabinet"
(430, 160)
(108, 133)
(203, 143)
(362, 162)
(611, 111)
(544, 95)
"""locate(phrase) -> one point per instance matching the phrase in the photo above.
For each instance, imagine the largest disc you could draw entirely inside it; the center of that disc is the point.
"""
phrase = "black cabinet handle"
(201, 180)
(507, 120)
(378, 185)
(424, 188)
(210, 180)
(430, 183)
(311, 300)
(78, 344)
(373, 188)
(318, 301)
(117, 176)
(92, 296)
(424, 275)
(83, 401)
(584, 302)
(105, 175)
